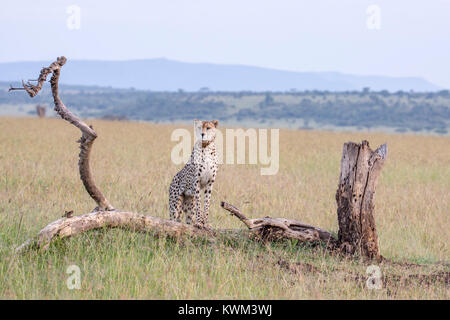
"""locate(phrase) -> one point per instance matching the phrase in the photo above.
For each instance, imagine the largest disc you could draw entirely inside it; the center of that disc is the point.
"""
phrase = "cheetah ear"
(198, 129)
(216, 123)
(197, 123)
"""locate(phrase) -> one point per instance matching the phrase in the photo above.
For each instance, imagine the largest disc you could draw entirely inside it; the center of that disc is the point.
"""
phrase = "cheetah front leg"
(207, 200)
(197, 205)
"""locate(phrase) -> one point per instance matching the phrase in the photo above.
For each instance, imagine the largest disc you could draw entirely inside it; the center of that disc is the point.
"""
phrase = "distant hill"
(168, 75)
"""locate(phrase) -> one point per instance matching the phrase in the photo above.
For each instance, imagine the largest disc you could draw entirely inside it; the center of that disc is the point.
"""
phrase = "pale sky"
(413, 38)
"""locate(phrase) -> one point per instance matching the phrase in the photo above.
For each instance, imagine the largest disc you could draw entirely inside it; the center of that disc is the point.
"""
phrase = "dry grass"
(131, 162)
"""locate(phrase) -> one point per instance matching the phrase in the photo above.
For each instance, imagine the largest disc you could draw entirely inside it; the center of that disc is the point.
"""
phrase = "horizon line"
(237, 65)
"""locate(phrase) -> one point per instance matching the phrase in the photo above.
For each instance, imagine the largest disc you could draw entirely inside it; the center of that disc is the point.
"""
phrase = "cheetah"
(198, 174)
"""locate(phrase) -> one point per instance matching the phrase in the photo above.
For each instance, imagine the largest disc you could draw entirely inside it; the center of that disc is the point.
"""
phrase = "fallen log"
(67, 227)
(266, 229)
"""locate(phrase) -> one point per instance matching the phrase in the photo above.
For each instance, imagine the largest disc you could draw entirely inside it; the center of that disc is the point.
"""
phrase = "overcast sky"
(410, 38)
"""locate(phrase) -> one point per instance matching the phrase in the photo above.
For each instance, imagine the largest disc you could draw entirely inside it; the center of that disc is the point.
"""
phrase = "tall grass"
(131, 164)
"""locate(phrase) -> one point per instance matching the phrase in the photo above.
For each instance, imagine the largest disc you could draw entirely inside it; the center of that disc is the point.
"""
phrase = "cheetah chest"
(208, 168)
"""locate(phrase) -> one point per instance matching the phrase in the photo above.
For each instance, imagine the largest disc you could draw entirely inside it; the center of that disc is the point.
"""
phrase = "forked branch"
(88, 135)
(265, 229)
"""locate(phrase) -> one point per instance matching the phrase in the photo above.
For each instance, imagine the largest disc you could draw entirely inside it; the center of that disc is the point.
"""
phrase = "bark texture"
(279, 228)
(266, 229)
(88, 135)
(360, 169)
(67, 227)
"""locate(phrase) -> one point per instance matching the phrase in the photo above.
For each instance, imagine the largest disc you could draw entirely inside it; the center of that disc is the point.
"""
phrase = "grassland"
(131, 162)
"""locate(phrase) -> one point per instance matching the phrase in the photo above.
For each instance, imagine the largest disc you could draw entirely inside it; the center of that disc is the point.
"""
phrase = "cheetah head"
(205, 131)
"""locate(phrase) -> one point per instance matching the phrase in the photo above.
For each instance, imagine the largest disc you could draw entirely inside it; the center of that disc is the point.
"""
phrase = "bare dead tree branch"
(272, 228)
(236, 212)
(11, 88)
(88, 134)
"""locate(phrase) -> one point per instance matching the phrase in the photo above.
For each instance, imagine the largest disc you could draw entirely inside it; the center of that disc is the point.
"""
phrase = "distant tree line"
(367, 109)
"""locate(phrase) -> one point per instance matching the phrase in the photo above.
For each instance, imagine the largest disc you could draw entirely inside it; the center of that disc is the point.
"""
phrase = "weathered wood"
(277, 228)
(88, 134)
(360, 169)
(67, 227)
(264, 228)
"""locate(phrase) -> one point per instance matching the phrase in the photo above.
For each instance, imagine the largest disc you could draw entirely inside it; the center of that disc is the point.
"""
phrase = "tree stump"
(360, 169)
(40, 111)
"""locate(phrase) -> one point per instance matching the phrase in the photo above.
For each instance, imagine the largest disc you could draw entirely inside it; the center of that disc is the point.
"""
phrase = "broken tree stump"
(40, 111)
(360, 169)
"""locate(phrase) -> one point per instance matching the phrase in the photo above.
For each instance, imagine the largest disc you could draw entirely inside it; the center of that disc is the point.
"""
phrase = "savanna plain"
(132, 165)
